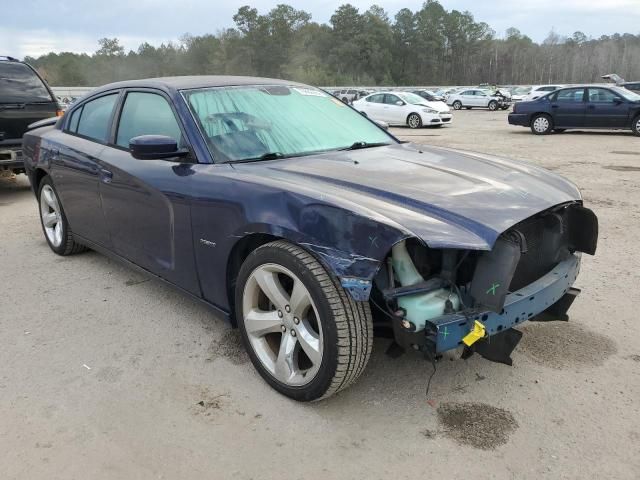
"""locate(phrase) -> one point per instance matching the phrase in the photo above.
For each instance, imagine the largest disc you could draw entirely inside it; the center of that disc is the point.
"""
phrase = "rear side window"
(94, 121)
(377, 98)
(146, 114)
(570, 95)
(602, 95)
(20, 84)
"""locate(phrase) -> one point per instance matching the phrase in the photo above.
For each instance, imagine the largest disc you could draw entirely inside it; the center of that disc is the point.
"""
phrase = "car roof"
(188, 82)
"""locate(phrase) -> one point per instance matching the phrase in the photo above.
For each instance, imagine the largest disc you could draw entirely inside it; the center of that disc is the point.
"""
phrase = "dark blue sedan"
(582, 107)
(301, 222)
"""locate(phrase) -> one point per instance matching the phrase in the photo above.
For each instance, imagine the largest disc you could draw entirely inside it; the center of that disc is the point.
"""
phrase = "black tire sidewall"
(457, 105)
(493, 105)
(634, 125)
(61, 249)
(322, 381)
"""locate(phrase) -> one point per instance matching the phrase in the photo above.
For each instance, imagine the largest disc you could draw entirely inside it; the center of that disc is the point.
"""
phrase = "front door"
(145, 202)
(568, 107)
(605, 109)
(394, 110)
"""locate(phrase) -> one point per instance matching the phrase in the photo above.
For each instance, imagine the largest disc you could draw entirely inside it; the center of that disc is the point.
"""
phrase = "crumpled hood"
(437, 106)
(449, 198)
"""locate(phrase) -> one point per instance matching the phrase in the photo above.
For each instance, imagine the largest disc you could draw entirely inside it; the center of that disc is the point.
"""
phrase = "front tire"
(493, 105)
(304, 333)
(457, 105)
(541, 124)
(54, 222)
(635, 126)
(414, 120)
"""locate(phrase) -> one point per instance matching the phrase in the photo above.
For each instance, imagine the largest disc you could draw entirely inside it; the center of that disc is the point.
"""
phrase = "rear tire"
(457, 105)
(323, 320)
(541, 124)
(55, 226)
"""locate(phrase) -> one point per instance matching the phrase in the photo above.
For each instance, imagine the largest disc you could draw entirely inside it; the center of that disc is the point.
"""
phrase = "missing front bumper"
(446, 332)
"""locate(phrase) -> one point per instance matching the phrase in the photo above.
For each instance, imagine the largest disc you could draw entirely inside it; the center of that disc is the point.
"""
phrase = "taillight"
(59, 113)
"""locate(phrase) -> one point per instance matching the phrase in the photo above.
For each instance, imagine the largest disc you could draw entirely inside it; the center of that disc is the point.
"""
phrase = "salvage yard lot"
(105, 374)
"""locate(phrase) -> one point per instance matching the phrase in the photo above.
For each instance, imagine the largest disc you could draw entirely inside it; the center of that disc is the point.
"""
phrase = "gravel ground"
(105, 374)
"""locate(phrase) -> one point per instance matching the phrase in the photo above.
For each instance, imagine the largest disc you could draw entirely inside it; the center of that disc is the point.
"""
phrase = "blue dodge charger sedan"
(306, 225)
(580, 107)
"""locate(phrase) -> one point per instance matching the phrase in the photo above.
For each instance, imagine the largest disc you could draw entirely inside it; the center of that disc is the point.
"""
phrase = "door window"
(573, 95)
(602, 95)
(391, 99)
(95, 120)
(377, 98)
(146, 114)
(468, 92)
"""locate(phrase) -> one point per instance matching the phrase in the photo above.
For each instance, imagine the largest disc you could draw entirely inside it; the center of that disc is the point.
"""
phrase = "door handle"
(105, 175)
(554, 106)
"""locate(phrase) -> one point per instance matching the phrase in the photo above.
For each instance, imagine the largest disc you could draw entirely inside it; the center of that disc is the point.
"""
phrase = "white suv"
(539, 91)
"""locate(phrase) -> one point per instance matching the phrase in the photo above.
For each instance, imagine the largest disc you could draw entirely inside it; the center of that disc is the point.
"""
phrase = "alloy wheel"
(51, 215)
(282, 324)
(414, 120)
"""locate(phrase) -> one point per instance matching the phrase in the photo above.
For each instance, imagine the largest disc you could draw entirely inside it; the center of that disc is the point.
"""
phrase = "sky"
(35, 27)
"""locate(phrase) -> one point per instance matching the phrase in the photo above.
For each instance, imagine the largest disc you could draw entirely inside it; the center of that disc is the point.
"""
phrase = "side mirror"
(399, 103)
(617, 101)
(155, 147)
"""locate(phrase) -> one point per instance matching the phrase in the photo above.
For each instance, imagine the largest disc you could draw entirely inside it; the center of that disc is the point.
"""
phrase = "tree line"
(430, 46)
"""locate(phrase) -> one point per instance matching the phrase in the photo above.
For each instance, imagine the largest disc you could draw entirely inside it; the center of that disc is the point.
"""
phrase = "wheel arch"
(37, 176)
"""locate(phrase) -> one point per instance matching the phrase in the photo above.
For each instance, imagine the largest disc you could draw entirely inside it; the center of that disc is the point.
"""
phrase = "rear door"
(24, 99)
(373, 106)
(605, 109)
(145, 202)
(568, 107)
(75, 166)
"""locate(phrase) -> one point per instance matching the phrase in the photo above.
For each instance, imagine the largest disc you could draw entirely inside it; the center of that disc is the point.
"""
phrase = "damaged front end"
(437, 299)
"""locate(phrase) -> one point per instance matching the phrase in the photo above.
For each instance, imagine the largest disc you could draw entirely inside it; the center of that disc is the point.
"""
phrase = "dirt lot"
(104, 374)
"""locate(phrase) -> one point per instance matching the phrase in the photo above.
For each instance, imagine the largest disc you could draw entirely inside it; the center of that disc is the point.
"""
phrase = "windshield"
(628, 94)
(19, 84)
(521, 90)
(257, 122)
(411, 98)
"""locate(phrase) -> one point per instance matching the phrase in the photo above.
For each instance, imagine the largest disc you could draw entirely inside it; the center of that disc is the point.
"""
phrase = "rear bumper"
(446, 332)
(520, 119)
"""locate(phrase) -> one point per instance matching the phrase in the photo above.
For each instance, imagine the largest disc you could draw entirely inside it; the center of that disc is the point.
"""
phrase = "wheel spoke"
(300, 299)
(272, 288)
(58, 234)
(309, 342)
(49, 219)
(284, 367)
(50, 198)
(259, 323)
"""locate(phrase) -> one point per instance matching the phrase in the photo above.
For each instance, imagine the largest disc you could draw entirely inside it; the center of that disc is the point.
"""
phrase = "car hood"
(448, 198)
(437, 106)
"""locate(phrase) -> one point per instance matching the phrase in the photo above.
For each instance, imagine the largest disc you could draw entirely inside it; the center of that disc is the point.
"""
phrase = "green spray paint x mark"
(492, 290)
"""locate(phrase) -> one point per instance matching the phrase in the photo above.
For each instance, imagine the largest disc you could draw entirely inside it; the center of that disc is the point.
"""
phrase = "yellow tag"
(474, 335)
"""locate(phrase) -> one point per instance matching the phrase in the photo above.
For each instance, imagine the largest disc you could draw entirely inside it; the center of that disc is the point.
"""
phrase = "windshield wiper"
(360, 145)
(266, 156)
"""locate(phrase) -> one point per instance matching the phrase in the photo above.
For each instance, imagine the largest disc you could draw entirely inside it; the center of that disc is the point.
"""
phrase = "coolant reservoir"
(421, 306)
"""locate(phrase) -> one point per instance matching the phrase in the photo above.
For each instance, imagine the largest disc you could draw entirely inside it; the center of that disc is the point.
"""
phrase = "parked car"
(298, 220)
(24, 98)
(347, 95)
(428, 95)
(404, 108)
(539, 91)
(633, 86)
(518, 94)
(581, 107)
(477, 98)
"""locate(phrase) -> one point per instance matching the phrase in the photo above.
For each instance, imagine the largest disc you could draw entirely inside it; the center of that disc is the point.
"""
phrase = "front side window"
(95, 118)
(391, 99)
(602, 95)
(146, 114)
(574, 95)
(249, 122)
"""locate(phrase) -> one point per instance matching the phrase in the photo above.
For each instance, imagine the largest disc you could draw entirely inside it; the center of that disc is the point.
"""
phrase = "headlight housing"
(430, 110)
